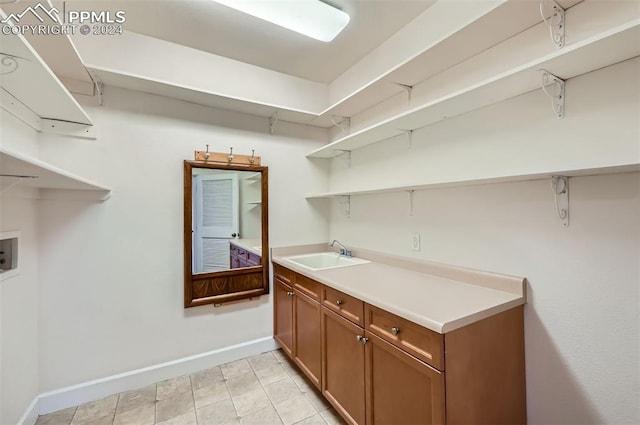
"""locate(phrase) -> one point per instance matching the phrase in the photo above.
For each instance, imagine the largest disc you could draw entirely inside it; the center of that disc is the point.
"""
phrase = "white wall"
(582, 316)
(111, 273)
(19, 294)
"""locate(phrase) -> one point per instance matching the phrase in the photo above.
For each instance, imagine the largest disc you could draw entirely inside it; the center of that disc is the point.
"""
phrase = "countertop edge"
(248, 244)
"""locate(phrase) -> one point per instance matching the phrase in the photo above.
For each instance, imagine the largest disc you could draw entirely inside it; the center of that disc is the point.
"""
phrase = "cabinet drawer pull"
(362, 339)
(395, 331)
(289, 294)
(339, 302)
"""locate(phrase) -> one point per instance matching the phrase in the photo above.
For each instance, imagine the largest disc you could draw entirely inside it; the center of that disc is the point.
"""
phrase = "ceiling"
(211, 27)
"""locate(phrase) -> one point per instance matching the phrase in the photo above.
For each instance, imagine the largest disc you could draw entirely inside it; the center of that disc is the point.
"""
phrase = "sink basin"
(324, 260)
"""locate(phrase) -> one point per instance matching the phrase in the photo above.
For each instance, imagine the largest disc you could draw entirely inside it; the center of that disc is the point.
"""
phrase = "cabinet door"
(401, 389)
(343, 366)
(307, 353)
(283, 316)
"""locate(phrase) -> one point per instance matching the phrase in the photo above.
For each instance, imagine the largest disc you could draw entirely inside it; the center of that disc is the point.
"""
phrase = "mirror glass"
(227, 219)
(225, 232)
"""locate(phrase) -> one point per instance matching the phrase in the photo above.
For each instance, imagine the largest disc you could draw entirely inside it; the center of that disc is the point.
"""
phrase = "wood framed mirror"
(225, 232)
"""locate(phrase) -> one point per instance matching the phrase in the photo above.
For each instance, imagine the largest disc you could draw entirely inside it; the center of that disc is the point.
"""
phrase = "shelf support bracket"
(406, 88)
(345, 200)
(99, 91)
(555, 21)
(340, 152)
(560, 187)
(554, 88)
(343, 123)
(273, 120)
(9, 63)
(409, 134)
(411, 192)
(98, 87)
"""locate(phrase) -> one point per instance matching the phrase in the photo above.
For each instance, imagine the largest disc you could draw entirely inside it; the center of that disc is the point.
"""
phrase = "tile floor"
(265, 389)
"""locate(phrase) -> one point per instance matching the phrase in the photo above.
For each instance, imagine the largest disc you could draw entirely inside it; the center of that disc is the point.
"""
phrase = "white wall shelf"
(592, 53)
(439, 38)
(459, 35)
(33, 93)
(616, 169)
(52, 181)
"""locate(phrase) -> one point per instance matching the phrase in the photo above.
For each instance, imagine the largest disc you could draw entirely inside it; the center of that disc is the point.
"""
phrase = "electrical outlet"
(415, 241)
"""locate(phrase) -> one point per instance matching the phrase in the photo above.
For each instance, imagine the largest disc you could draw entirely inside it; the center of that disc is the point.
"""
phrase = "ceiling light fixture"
(312, 18)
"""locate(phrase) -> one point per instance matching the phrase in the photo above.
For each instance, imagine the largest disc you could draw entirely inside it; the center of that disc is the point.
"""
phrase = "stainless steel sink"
(324, 260)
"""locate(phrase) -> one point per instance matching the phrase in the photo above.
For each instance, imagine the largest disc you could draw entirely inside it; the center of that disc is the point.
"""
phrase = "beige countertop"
(437, 296)
(249, 245)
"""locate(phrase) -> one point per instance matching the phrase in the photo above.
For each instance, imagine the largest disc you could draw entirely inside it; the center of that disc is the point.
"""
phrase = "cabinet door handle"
(395, 331)
(362, 339)
(289, 294)
(339, 302)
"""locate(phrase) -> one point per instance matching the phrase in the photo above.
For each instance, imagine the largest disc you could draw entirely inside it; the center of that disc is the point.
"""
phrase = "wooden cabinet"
(240, 257)
(343, 379)
(401, 389)
(345, 305)
(416, 340)
(306, 335)
(283, 315)
(378, 368)
(296, 326)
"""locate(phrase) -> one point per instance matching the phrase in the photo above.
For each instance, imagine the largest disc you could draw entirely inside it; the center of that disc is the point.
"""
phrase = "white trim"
(30, 416)
(103, 387)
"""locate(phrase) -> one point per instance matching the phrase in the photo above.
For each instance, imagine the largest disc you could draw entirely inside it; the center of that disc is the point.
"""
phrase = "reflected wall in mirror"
(225, 232)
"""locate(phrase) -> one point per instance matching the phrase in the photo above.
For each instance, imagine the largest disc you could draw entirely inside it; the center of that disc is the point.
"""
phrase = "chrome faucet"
(343, 249)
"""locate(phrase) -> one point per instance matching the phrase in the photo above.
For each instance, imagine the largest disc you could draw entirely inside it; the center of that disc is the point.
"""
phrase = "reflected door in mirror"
(216, 220)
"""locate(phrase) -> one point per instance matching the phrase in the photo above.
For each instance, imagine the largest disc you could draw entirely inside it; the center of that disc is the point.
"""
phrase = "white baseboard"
(30, 415)
(103, 387)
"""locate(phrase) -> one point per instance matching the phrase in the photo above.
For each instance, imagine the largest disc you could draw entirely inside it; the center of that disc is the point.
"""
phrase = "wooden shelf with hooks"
(227, 158)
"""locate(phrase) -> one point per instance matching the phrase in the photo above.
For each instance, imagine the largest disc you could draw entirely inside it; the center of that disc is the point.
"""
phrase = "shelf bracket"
(98, 87)
(18, 178)
(273, 120)
(560, 187)
(345, 201)
(9, 63)
(406, 88)
(554, 88)
(340, 152)
(409, 134)
(343, 123)
(555, 21)
(411, 192)
(99, 90)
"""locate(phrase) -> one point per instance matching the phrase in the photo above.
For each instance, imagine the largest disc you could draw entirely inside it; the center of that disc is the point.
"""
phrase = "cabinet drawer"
(253, 259)
(308, 286)
(408, 336)
(283, 274)
(345, 305)
(242, 253)
(233, 248)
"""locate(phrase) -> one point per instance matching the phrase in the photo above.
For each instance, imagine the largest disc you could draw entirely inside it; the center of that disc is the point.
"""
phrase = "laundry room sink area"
(324, 260)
